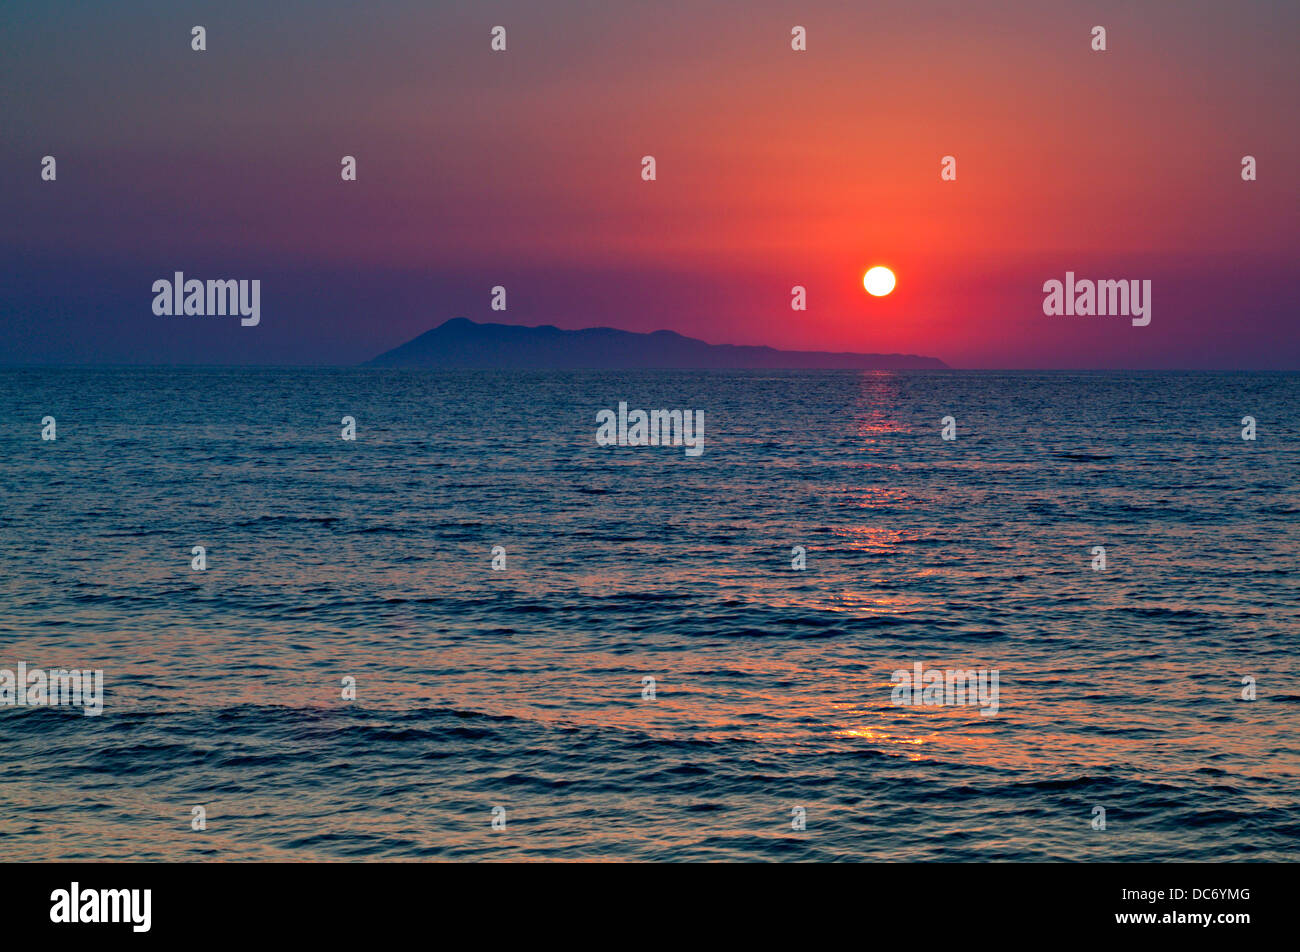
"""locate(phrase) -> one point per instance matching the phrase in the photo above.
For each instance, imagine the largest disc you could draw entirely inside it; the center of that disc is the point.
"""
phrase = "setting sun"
(879, 281)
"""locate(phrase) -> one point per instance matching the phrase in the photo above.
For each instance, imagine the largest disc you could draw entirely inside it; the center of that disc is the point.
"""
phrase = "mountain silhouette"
(463, 344)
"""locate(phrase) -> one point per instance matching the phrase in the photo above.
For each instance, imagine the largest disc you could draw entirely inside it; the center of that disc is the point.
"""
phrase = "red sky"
(775, 168)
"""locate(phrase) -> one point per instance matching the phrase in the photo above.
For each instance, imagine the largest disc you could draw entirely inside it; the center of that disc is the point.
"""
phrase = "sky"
(775, 168)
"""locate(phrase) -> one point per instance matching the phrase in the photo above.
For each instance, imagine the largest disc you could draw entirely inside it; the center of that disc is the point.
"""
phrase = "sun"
(879, 281)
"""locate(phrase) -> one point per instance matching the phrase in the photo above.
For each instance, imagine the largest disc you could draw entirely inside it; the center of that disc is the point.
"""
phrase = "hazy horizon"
(365, 362)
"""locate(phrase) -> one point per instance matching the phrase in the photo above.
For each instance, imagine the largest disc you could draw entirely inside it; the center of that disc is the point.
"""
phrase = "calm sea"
(523, 688)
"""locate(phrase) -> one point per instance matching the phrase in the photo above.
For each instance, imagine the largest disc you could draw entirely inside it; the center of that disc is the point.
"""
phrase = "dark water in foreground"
(522, 688)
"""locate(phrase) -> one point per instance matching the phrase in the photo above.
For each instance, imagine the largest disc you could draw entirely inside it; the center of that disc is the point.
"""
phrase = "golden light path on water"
(774, 677)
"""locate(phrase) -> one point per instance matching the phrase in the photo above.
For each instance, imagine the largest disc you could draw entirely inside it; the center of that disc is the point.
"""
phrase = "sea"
(475, 633)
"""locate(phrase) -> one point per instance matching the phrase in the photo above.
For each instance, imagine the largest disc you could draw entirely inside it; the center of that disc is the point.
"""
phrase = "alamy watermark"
(951, 686)
(655, 428)
(211, 298)
(75, 904)
(1123, 298)
(56, 688)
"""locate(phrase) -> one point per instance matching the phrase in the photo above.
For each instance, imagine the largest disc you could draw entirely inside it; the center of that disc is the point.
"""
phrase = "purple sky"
(775, 168)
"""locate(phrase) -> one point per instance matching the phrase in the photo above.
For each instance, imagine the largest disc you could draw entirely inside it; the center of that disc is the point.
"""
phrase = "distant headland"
(463, 344)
